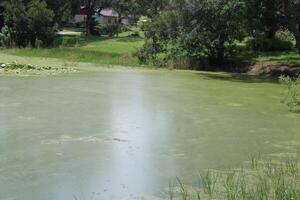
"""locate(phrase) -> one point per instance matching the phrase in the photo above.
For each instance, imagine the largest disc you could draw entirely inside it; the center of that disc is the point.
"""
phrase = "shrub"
(292, 97)
(285, 35)
(135, 34)
(67, 41)
(265, 44)
(143, 20)
(148, 52)
(6, 36)
(124, 28)
(106, 29)
(143, 54)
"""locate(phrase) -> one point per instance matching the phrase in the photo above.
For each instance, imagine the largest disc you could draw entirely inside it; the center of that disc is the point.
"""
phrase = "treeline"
(35, 22)
(210, 29)
(193, 29)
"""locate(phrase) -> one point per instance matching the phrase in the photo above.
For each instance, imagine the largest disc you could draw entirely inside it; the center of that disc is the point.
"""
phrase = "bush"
(106, 29)
(67, 41)
(292, 98)
(6, 36)
(285, 35)
(124, 28)
(265, 44)
(148, 52)
(135, 34)
(143, 54)
(142, 22)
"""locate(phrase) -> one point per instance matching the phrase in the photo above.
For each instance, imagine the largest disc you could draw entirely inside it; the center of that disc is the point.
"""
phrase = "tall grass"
(271, 180)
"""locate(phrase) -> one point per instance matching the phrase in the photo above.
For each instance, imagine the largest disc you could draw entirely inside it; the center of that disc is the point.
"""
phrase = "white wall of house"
(79, 18)
(125, 21)
(107, 20)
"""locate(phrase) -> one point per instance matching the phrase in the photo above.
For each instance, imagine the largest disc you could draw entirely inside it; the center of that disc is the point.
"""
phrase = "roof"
(84, 11)
(108, 12)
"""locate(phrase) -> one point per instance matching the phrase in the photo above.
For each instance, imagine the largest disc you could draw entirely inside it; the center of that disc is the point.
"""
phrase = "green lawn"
(268, 58)
(100, 50)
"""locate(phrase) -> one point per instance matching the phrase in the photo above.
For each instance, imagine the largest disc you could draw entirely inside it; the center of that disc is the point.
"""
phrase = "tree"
(292, 14)
(16, 18)
(198, 27)
(263, 17)
(30, 21)
(40, 24)
(214, 24)
(1, 14)
(91, 5)
(62, 10)
(123, 7)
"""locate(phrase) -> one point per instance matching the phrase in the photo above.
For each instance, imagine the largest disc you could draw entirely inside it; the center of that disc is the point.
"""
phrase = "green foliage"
(161, 37)
(40, 22)
(283, 41)
(62, 10)
(31, 22)
(124, 28)
(285, 35)
(146, 53)
(292, 97)
(17, 19)
(106, 29)
(214, 27)
(196, 28)
(265, 44)
(6, 36)
(135, 34)
(143, 21)
(263, 17)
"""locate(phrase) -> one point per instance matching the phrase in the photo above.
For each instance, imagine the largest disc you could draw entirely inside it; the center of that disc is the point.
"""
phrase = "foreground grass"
(273, 180)
(108, 51)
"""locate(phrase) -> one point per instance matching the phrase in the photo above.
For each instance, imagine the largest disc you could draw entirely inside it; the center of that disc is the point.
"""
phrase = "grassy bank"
(108, 51)
(120, 50)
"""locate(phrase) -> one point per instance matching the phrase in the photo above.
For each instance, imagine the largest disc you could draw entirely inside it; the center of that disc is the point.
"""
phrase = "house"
(103, 16)
(81, 15)
(107, 16)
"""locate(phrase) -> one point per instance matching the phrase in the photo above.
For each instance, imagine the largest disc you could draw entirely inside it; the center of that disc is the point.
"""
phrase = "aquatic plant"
(292, 97)
(18, 68)
(272, 180)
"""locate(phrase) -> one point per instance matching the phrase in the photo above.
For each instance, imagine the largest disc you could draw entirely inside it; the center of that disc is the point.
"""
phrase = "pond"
(125, 134)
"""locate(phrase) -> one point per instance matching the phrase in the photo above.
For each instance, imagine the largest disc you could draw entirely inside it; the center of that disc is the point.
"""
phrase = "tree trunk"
(119, 18)
(271, 19)
(220, 57)
(88, 25)
(297, 36)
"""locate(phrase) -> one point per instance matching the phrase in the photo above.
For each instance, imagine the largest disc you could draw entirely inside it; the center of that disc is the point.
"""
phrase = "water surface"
(125, 134)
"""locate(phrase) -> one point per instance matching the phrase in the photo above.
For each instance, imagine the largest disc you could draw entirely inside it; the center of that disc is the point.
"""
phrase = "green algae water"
(124, 134)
